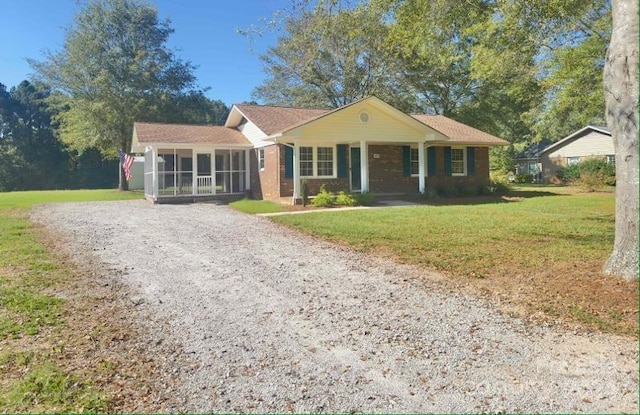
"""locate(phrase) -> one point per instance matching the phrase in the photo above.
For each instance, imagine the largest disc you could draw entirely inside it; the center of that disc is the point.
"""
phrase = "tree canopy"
(521, 70)
(115, 68)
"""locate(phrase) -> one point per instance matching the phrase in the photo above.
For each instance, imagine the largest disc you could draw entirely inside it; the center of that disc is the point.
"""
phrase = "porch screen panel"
(223, 171)
(237, 171)
(149, 189)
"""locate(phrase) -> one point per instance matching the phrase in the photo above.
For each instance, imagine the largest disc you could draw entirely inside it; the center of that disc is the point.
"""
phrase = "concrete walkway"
(381, 204)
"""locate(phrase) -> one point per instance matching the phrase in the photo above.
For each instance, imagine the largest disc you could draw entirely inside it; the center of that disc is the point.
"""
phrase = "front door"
(204, 179)
(356, 182)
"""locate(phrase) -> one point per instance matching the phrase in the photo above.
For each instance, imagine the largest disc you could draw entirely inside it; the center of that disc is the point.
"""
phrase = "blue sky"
(205, 34)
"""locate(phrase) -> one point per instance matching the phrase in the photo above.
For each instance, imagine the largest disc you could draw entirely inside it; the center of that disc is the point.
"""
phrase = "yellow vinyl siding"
(345, 126)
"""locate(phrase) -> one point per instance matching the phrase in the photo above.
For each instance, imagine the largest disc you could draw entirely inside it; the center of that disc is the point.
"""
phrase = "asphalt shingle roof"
(191, 134)
(457, 131)
(273, 120)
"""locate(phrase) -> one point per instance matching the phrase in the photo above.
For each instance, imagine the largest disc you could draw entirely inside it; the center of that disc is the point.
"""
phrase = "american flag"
(126, 160)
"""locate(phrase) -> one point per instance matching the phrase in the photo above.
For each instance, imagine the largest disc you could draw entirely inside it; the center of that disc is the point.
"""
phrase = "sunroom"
(184, 162)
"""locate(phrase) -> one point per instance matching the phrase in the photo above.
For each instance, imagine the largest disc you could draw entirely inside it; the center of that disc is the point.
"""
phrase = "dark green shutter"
(342, 160)
(431, 161)
(288, 162)
(447, 161)
(406, 161)
(471, 161)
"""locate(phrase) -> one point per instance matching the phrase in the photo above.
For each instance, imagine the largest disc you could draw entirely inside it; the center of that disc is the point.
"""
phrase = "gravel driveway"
(269, 320)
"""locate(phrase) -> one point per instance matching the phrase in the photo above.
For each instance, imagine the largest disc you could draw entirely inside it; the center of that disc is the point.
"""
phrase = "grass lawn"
(257, 206)
(33, 330)
(539, 251)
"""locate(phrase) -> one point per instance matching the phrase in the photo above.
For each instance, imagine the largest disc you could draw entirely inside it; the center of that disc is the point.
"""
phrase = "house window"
(611, 159)
(415, 162)
(573, 160)
(317, 161)
(458, 161)
(325, 161)
(261, 158)
(306, 161)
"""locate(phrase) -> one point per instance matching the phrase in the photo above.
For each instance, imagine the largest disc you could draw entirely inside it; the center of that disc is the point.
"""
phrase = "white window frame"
(414, 161)
(572, 160)
(464, 161)
(260, 159)
(611, 159)
(302, 174)
(314, 161)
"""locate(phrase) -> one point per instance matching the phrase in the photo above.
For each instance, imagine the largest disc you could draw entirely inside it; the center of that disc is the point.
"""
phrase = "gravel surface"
(250, 316)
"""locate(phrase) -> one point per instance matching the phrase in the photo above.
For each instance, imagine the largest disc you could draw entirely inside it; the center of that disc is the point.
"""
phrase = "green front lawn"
(31, 377)
(537, 247)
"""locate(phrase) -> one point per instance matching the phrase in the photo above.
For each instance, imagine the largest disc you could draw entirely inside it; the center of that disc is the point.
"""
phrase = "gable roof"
(580, 133)
(188, 134)
(373, 100)
(533, 150)
(458, 132)
(273, 120)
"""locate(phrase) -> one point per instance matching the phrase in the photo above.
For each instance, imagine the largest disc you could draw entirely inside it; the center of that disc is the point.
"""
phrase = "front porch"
(185, 174)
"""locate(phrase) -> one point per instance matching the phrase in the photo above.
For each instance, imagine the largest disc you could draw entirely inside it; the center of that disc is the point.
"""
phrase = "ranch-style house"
(266, 151)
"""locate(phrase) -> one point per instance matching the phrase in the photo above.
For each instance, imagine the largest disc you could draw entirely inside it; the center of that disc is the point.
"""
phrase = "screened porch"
(173, 172)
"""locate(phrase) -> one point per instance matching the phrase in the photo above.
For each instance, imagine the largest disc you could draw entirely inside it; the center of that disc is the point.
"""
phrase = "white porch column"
(296, 171)
(421, 168)
(154, 159)
(194, 172)
(247, 169)
(364, 167)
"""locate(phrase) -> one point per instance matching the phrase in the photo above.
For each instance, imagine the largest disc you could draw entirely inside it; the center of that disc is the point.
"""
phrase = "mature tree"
(32, 157)
(330, 59)
(621, 93)
(433, 52)
(114, 69)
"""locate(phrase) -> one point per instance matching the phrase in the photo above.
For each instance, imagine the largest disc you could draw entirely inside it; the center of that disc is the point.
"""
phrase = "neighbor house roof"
(533, 150)
(272, 120)
(581, 132)
(191, 134)
(457, 131)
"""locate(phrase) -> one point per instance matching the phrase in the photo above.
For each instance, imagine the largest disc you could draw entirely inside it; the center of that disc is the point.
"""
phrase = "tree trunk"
(621, 96)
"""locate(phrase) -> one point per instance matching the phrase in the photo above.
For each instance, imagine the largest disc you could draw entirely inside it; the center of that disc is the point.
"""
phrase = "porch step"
(217, 199)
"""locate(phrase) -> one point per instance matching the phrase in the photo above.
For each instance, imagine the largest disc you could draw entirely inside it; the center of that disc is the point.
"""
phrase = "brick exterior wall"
(386, 171)
(386, 174)
(480, 178)
(264, 184)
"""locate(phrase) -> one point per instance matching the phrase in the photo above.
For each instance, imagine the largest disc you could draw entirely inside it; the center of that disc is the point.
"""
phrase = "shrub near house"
(592, 174)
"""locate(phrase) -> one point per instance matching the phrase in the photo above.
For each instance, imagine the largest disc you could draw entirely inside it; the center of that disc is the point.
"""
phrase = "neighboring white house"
(588, 142)
(137, 174)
